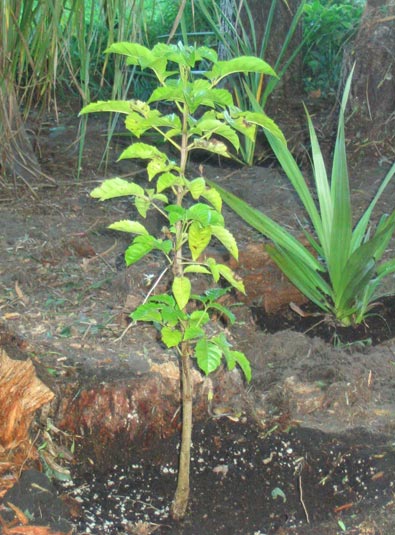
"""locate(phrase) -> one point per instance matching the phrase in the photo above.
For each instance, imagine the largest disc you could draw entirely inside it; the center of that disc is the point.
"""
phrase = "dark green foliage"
(328, 26)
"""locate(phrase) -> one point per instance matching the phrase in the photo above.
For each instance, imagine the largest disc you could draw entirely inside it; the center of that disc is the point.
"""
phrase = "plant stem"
(180, 502)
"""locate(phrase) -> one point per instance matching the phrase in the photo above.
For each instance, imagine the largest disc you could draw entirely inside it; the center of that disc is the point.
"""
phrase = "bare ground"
(307, 448)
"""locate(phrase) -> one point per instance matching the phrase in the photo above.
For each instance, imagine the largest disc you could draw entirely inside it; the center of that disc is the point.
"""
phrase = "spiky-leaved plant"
(343, 275)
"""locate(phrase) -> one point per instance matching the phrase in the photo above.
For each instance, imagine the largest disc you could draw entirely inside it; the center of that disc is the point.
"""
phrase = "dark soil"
(304, 449)
(247, 481)
(378, 327)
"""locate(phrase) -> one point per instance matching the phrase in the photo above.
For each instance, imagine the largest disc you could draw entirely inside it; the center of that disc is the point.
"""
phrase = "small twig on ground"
(302, 501)
(145, 300)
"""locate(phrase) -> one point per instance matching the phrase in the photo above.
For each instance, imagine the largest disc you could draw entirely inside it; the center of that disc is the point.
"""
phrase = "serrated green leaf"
(214, 198)
(164, 245)
(228, 275)
(136, 124)
(142, 108)
(142, 205)
(171, 337)
(230, 359)
(208, 356)
(205, 215)
(224, 312)
(128, 226)
(163, 299)
(181, 289)
(196, 268)
(141, 246)
(197, 187)
(212, 145)
(166, 180)
(262, 120)
(147, 312)
(210, 127)
(142, 151)
(170, 93)
(226, 238)
(242, 64)
(171, 315)
(243, 362)
(134, 51)
(192, 333)
(114, 106)
(160, 197)
(219, 97)
(214, 268)
(198, 318)
(213, 294)
(116, 187)
(156, 166)
(198, 239)
(144, 244)
(176, 213)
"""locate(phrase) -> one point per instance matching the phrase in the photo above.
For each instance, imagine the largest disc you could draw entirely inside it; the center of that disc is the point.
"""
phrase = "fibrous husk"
(21, 394)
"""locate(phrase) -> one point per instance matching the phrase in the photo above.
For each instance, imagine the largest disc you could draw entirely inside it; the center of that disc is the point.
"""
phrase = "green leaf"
(198, 318)
(208, 356)
(137, 54)
(197, 187)
(268, 227)
(181, 289)
(278, 493)
(147, 312)
(170, 93)
(141, 246)
(128, 226)
(323, 191)
(114, 106)
(163, 299)
(209, 127)
(156, 166)
(242, 64)
(166, 180)
(176, 213)
(214, 198)
(142, 205)
(228, 275)
(198, 238)
(218, 97)
(262, 120)
(305, 278)
(133, 51)
(297, 180)
(196, 268)
(226, 238)
(144, 244)
(212, 145)
(213, 294)
(159, 197)
(143, 151)
(171, 337)
(360, 229)
(205, 215)
(192, 333)
(243, 362)
(116, 187)
(136, 124)
(224, 311)
(214, 268)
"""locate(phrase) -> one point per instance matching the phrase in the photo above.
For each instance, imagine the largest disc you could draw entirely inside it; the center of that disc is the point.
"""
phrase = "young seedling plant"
(204, 118)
